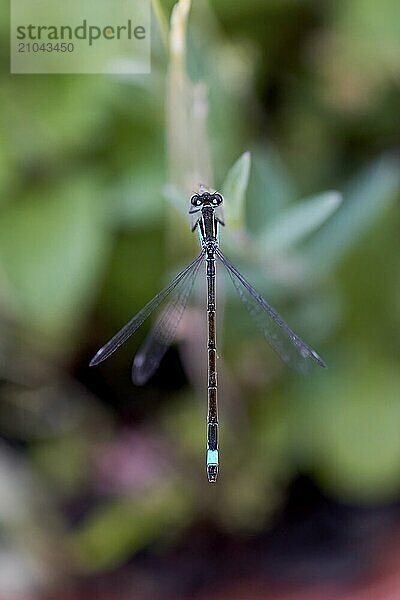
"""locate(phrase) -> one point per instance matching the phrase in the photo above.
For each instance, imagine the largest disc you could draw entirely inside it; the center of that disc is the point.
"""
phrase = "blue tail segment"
(212, 465)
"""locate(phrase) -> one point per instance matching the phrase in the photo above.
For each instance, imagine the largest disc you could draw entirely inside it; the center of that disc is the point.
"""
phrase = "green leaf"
(365, 199)
(49, 132)
(349, 430)
(234, 190)
(271, 189)
(115, 532)
(52, 248)
(297, 222)
(158, 10)
(136, 200)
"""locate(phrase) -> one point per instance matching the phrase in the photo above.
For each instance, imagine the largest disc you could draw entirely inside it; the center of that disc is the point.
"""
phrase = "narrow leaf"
(365, 199)
(299, 221)
(271, 189)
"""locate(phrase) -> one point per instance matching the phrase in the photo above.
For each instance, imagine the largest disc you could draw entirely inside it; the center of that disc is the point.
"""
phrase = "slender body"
(291, 348)
(208, 232)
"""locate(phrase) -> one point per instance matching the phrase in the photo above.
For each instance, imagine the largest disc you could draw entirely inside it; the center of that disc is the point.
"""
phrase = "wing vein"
(155, 345)
(129, 329)
(258, 307)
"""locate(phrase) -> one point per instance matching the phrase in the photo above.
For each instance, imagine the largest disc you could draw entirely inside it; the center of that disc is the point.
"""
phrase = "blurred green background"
(103, 491)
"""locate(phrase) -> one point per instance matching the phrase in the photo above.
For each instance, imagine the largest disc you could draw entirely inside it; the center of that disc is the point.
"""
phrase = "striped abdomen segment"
(212, 414)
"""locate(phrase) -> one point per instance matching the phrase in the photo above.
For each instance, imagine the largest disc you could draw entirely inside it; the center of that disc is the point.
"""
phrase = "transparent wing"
(163, 332)
(130, 328)
(290, 347)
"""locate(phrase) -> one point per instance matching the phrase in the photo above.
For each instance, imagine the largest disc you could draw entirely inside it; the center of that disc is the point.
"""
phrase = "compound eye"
(217, 199)
(195, 200)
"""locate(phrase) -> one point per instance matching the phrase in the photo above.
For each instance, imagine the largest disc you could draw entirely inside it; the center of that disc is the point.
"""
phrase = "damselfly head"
(206, 199)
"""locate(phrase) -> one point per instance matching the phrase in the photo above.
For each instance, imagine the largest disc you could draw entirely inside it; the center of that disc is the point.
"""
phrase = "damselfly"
(205, 207)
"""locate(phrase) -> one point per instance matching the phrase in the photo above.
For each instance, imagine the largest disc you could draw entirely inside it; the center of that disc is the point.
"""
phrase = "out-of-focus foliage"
(273, 103)
(234, 188)
(65, 232)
